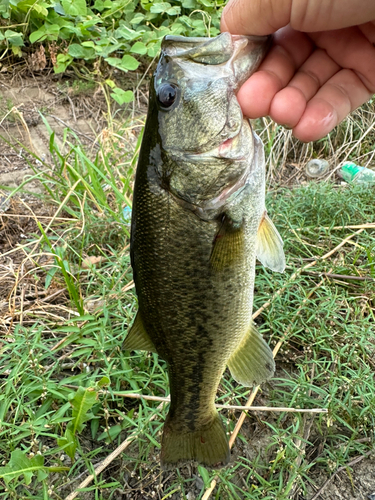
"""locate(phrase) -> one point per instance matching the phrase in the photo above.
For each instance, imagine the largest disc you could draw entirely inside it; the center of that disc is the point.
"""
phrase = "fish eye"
(167, 95)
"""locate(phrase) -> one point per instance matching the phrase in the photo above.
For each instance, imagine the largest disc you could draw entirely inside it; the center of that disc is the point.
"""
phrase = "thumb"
(263, 17)
(255, 17)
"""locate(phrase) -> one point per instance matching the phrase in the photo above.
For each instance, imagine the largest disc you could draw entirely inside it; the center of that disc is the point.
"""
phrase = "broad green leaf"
(74, 7)
(204, 475)
(111, 434)
(38, 35)
(76, 50)
(110, 83)
(79, 52)
(94, 427)
(82, 402)
(89, 43)
(138, 18)
(173, 11)
(125, 64)
(103, 382)
(160, 7)
(153, 49)
(19, 464)
(14, 38)
(16, 50)
(4, 9)
(127, 33)
(122, 96)
(69, 443)
(49, 31)
(206, 3)
(40, 8)
(189, 4)
(139, 48)
(99, 5)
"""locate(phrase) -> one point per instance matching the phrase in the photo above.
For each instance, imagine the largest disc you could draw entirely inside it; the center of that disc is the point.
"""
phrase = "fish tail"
(207, 445)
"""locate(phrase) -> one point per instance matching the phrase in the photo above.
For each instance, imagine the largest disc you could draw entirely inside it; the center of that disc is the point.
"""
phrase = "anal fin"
(138, 338)
(269, 245)
(252, 362)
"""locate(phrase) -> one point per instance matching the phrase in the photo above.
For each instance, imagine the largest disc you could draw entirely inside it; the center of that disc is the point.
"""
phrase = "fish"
(198, 223)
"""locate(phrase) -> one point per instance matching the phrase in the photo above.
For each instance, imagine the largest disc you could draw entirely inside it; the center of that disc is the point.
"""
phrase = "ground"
(23, 103)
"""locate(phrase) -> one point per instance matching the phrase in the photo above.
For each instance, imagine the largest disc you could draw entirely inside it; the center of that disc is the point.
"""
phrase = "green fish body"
(198, 223)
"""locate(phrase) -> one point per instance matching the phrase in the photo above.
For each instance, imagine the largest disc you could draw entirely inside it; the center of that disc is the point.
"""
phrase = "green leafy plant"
(21, 465)
(82, 402)
(122, 33)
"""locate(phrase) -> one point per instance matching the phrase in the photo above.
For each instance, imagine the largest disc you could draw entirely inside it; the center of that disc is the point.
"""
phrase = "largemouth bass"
(198, 223)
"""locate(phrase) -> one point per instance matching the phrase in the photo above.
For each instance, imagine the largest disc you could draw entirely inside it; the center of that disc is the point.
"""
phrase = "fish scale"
(198, 222)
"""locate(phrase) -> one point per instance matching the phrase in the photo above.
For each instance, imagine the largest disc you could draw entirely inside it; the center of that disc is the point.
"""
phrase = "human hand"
(321, 65)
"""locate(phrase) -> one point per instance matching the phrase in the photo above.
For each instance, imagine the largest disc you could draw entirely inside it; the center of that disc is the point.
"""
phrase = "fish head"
(205, 144)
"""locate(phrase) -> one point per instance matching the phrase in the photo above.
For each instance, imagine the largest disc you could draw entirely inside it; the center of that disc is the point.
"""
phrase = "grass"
(70, 300)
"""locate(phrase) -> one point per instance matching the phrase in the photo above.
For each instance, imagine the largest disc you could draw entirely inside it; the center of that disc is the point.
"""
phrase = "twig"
(369, 225)
(301, 442)
(70, 219)
(110, 458)
(227, 407)
(340, 469)
(129, 286)
(75, 131)
(339, 276)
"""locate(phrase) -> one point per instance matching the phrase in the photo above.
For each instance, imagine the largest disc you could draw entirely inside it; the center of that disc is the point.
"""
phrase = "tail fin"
(207, 446)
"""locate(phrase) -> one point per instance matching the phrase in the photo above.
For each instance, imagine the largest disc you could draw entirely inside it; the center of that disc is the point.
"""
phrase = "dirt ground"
(21, 125)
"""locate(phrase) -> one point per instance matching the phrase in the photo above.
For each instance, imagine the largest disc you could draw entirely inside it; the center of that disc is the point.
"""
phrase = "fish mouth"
(235, 148)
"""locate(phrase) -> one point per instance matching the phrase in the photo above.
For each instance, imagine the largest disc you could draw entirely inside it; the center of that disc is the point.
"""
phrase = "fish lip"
(219, 151)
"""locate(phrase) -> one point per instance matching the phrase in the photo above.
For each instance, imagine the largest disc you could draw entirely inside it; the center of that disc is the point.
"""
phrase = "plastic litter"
(127, 214)
(355, 174)
(316, 168)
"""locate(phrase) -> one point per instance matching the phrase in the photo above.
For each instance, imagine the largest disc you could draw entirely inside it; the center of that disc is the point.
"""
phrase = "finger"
(289, 103)
(368, 30)
(343, 93)
(289, 51)
(351, 49)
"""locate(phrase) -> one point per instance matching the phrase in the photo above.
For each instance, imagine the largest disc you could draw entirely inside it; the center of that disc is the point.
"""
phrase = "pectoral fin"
(269, 246)
(252, 362)
(227, 247)
(137, 338)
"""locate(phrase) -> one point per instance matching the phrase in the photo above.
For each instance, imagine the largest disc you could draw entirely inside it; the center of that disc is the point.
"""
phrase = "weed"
(64, 375)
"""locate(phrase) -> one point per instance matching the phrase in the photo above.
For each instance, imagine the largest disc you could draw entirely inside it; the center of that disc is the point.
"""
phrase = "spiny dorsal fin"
(137, 338)
(269, 246)
(227, 247)
(252, 362)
